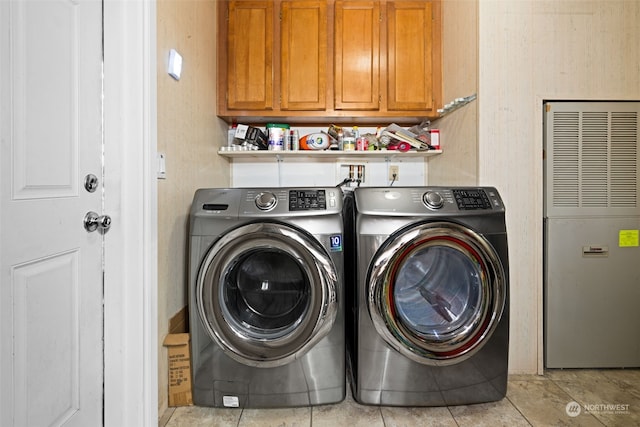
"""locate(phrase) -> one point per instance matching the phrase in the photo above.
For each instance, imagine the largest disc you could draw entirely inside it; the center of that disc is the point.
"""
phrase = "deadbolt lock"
(91, 183)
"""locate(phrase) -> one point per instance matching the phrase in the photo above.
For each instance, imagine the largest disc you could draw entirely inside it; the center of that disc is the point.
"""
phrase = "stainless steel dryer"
(266, 303)
(431, 324)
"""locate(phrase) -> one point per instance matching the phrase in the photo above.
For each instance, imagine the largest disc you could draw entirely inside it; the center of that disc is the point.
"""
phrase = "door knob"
(93, 221)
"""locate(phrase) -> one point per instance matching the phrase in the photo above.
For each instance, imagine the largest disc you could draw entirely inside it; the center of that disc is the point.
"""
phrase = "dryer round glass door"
(266, 293)
(436, 292)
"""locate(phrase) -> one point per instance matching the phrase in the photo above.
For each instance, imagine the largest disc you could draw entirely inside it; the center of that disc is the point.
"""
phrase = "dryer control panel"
(405, 201)
(471, 199)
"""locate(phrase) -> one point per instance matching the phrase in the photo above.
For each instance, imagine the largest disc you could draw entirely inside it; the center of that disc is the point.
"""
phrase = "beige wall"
(459, 129)
(189, 134)
(531, 50)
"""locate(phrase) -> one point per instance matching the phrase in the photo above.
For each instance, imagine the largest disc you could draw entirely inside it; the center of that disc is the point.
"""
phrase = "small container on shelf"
(276, 135)
(435, 138)
(294, 141)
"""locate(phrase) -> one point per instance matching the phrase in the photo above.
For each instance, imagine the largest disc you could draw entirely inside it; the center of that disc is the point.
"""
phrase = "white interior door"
(51, 279)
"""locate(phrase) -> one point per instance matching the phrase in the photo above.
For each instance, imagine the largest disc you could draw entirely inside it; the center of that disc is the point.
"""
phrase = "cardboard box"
(180, 393)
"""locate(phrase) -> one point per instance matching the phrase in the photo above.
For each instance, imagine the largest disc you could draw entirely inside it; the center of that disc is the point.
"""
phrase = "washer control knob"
(433, 200)
(266, 201)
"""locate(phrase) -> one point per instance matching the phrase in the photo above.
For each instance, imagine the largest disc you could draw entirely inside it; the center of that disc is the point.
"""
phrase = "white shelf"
(327, 154)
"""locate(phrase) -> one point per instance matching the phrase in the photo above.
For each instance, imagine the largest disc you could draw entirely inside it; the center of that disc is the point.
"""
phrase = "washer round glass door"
(266, 293)
(436, 292)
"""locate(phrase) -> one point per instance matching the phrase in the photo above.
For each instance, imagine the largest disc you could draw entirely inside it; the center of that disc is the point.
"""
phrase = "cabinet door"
(412, 55)
(250, 55)
(303, 55)
(356, 55)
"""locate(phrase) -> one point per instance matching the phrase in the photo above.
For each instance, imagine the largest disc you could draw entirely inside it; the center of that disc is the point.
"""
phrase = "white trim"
(131, 361)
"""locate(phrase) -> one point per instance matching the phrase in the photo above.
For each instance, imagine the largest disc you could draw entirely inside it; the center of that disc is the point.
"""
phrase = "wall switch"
(162, 172)
(175, 64)
(394, 172)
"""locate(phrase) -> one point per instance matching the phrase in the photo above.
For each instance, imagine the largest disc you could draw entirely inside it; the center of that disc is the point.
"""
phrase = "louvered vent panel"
(566, 137)
(594, 158)
(624, 157)
(593, 180)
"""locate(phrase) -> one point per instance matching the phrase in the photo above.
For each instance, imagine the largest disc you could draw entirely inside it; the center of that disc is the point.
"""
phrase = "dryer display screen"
(471, 199)
(304, 200)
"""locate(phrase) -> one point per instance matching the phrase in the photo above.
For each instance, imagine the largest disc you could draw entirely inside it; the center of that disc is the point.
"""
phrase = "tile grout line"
(452, 416)
(519, 411)
(240, 417)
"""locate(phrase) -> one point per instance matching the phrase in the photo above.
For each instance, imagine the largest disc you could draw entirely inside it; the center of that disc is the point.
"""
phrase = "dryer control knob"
(433, 200)
(266, 201)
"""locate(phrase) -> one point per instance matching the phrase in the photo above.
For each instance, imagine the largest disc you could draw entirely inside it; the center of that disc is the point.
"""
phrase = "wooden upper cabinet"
(357, 55)
(413, 56)
(303, 55)
(329, 60)
(249, 71)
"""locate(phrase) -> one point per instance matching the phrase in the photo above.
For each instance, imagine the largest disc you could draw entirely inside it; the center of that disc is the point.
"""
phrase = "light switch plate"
(175, 64)
(162, 171)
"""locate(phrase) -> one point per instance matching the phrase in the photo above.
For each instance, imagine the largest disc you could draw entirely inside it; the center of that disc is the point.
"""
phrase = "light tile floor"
(603, 397)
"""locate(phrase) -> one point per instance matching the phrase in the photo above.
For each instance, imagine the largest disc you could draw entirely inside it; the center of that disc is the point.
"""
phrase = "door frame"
(130, 296)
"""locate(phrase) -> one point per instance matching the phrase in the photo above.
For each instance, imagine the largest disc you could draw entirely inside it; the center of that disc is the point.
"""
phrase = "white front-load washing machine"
(266, 305)
(430, 311)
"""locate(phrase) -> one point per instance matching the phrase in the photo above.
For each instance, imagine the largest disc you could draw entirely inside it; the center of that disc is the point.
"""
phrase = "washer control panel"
(304, 200)
(270, 202)
(301, 201)
(266, 200)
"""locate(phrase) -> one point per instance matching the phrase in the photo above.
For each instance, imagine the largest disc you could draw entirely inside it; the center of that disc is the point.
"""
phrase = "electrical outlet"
(394, 173)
